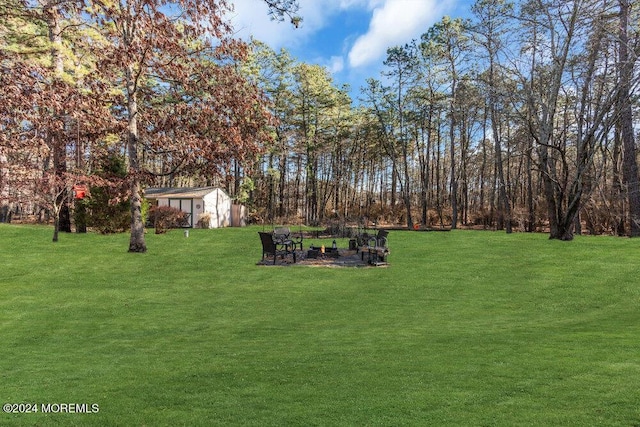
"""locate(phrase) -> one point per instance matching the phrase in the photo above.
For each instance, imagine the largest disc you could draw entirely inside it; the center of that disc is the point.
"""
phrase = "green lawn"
(462, 329)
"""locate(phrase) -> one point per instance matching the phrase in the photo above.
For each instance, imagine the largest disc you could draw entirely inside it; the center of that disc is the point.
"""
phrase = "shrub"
(164, 218)
(205, 220)
(107, 210)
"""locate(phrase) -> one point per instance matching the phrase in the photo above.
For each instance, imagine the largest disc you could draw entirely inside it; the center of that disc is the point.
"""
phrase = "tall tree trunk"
(271, 193)
(394, 179)
(630, 165)
(483, 169)
(297, 185)
(425, 167)
(56, 227)
(282, 184)
(464, 190)
(406, 190)
(439, 185)
(60, 164)
(137, 242)
(57, 141)
(312, 189)
(531, 221)
(453, 179)
(504, 202)
(617, 193)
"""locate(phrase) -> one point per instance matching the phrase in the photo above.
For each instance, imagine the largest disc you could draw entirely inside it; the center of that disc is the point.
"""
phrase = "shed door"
(185, 205)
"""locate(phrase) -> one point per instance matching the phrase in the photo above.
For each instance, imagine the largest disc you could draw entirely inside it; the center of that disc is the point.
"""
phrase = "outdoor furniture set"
(281, 242)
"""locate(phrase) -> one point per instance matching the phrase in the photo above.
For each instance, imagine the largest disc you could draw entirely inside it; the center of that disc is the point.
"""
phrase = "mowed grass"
(463, 328)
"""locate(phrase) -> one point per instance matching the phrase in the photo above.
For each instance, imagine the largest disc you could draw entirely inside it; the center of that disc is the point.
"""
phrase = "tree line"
(522, 117)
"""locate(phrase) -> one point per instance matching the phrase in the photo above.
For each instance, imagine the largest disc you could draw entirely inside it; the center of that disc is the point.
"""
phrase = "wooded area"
(522, 118)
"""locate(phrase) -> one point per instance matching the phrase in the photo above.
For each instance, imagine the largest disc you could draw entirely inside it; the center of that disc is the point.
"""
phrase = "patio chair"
(376, 248)
(283, 236)
(361, 240)
(269, 248)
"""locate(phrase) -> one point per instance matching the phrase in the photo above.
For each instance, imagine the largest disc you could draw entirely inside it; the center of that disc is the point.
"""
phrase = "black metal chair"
(379, 239)
(376, 247)
(269, 247)
(284, 236)
(281, 235)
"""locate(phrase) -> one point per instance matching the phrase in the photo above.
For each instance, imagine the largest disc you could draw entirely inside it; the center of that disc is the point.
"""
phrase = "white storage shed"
(208, 207)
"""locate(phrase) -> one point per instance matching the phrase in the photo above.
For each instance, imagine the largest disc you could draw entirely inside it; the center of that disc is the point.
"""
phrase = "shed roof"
(183, 192)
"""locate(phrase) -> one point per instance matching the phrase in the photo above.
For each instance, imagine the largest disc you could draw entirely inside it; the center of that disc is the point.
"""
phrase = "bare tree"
(492, 15)
(447, 41)
(626, 63)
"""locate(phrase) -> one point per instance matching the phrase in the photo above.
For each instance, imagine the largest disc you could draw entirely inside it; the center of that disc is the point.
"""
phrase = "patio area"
(282, 247)
(308, 258)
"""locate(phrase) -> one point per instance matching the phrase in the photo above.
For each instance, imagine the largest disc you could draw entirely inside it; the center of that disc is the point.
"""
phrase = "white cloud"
(336, 64)
(251, 17)
(393, 22)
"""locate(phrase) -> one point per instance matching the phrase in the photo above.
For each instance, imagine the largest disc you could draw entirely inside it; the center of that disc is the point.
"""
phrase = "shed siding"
(218, 205)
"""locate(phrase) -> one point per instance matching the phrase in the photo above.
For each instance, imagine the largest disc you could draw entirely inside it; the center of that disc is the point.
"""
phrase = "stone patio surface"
(346, 258)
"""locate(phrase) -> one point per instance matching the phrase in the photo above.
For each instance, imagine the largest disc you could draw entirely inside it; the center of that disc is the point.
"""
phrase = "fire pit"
(315, 252)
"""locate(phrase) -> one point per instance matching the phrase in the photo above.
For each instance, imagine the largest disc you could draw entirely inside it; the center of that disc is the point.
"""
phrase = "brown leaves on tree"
(161, 84)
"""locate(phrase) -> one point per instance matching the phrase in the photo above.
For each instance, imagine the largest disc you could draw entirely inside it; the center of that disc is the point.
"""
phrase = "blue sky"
(349, 37)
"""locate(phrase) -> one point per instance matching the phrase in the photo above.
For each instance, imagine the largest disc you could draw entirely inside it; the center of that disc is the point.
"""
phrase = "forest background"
(523, 117)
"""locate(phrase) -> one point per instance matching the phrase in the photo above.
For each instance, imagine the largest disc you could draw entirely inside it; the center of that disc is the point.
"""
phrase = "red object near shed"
(79, 192)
